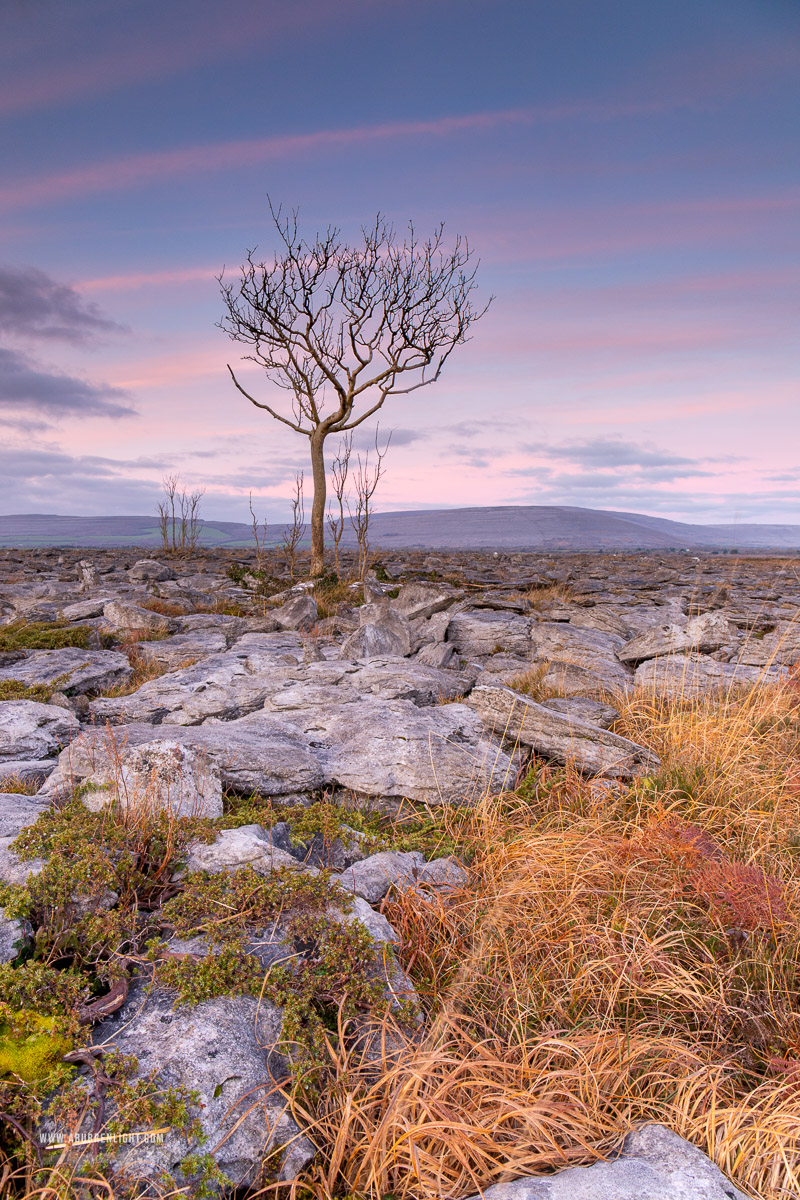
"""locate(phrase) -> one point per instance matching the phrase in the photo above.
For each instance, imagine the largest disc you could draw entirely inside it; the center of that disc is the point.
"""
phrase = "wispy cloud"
(33, 305)
(135, 170)
(26, 385)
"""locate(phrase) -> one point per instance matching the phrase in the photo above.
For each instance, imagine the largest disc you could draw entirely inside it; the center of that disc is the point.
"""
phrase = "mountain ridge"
(517, 527)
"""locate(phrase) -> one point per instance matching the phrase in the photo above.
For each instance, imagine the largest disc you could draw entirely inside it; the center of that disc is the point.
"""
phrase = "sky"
(626, 172)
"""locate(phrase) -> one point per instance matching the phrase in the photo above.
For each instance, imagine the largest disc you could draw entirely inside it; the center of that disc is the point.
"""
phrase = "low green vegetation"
(17, 689)
(43, 635)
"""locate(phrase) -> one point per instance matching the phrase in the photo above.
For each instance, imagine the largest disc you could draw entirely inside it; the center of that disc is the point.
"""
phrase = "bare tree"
(340, 468)
(260, 539)
(366, 480)
(362, 323)
(179, 517)
(293, 534)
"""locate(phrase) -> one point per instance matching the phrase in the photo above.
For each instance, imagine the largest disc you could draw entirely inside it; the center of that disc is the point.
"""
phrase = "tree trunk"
(317, 440)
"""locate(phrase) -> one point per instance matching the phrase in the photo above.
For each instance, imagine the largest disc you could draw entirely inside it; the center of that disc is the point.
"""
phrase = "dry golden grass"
(616, 958)
(541, 598)
(613, 962)
(21, 787)
(144, 669)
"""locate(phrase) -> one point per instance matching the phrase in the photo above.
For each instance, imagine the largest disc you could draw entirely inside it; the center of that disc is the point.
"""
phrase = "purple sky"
(626, 170)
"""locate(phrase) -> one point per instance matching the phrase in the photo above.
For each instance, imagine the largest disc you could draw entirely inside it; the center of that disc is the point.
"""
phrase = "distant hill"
(518, 527)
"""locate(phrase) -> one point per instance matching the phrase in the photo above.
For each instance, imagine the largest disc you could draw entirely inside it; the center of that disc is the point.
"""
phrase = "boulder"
(388, 638)
(124, 617)
(681, 676)
(183, 649)
(257, 754)
(581, 708)
(227, 685)
(71, 669)
(392, 749)
(478, 634)
(372, 877)
(443, 874)
(654, 1164)
(86, 610)
(780, 647)
(13, 936)
(147, 570)
(14, 869)
(702, 634)
(224, 1049)
(436, 654)
(422, 600)
(17, 812)
(29, 730)
(567, 679)
(590, 649)
(157, 776)
(594, 751)
(382, 632)
(232, 849)
(298, 613)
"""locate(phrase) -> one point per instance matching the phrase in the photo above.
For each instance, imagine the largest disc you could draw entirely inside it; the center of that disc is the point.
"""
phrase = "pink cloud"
(137, 279)
(140, 168)
(207, 36)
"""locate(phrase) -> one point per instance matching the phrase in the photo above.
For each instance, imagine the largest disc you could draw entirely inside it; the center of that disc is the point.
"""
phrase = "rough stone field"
(478, 878)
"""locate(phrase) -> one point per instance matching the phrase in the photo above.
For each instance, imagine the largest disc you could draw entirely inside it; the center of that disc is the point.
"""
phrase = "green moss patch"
(43, 635)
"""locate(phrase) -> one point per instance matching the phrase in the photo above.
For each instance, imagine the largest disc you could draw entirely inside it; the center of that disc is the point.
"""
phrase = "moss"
(31, 1045)
(43, 635)
(16, 689)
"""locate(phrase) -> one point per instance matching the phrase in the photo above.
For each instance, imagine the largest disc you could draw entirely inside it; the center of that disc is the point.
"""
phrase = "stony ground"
(213, 778)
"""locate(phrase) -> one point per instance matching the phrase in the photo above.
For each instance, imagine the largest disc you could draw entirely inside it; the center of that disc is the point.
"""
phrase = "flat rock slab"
(655, 1164)
(582, 708)
(227, 685)
(225, 1050)
(590, 649)
(477, 634)
(257, 754)
(682, 676)
(155, 777)
(702, 634)
(26, 770)
(17, 812)
(233, 849)
(395, 750)
(318, 684)
(183, 649)
(29, 730)
(73, 670)
(594, 751)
